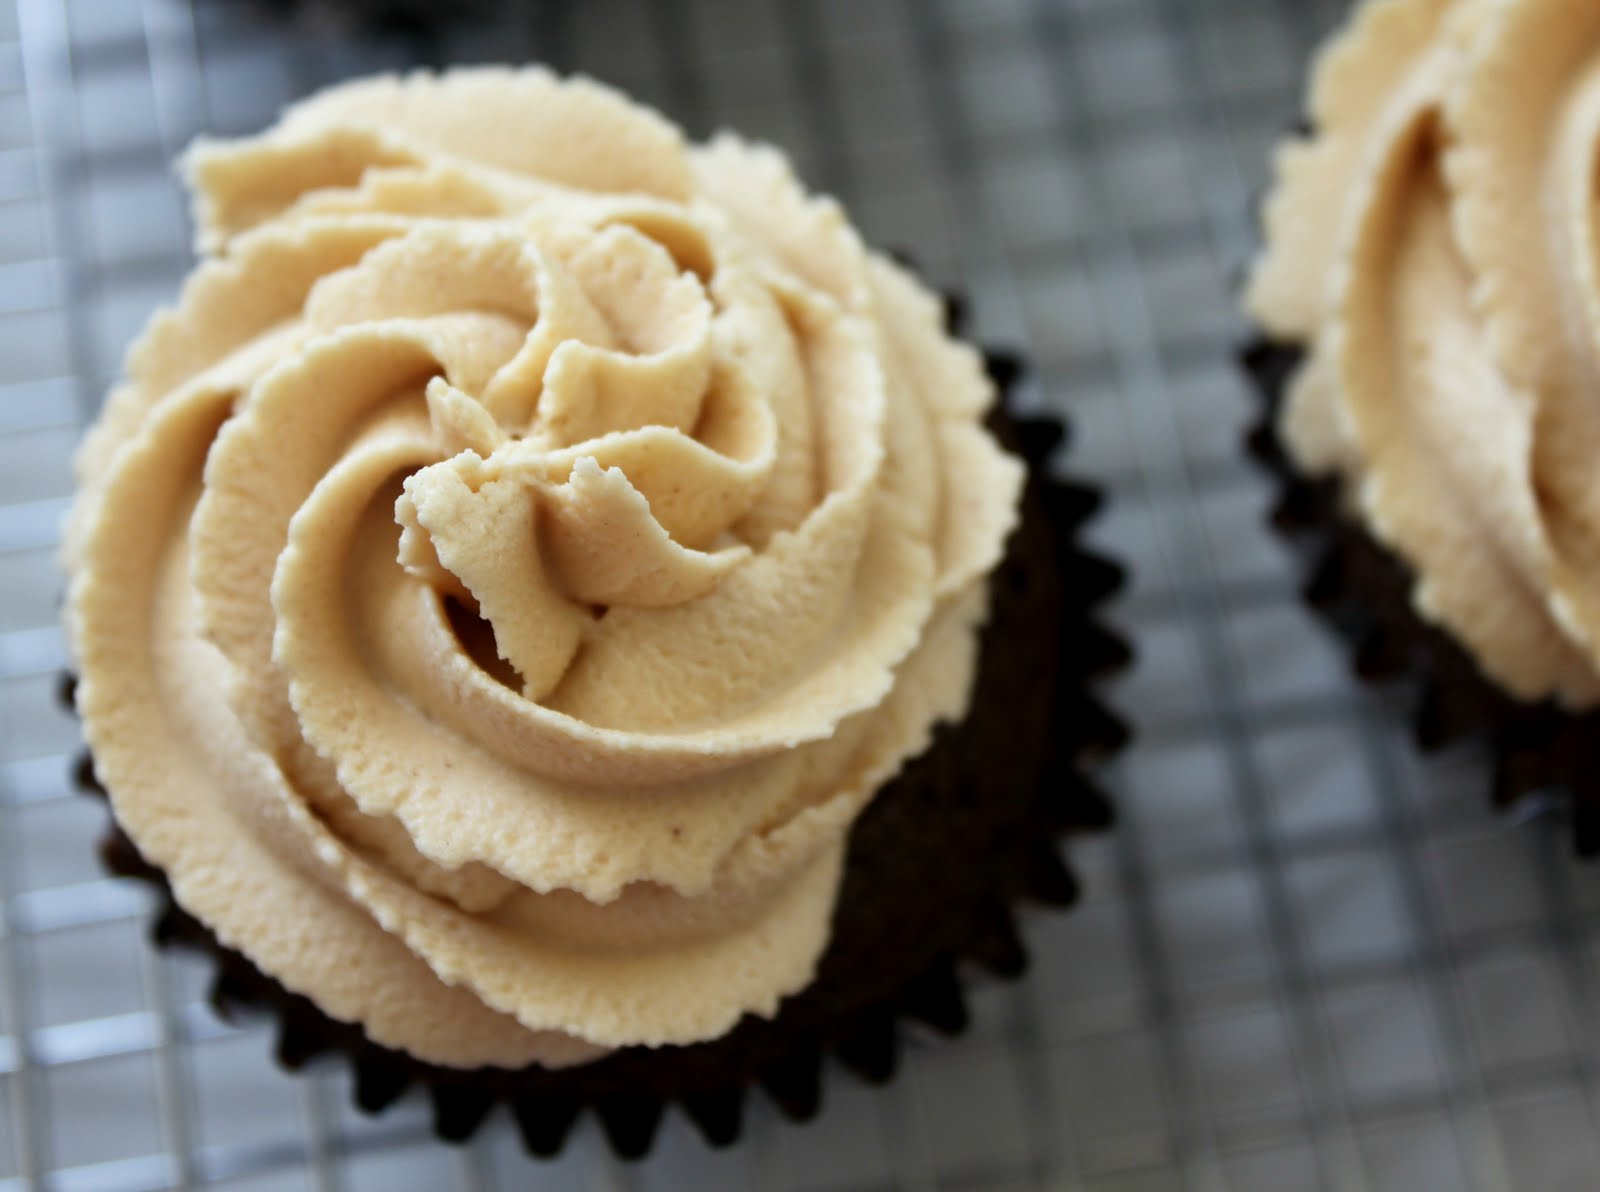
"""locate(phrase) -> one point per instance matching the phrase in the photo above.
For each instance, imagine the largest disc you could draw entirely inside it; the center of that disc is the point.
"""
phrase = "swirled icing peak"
(1433, 242)
(516, 559)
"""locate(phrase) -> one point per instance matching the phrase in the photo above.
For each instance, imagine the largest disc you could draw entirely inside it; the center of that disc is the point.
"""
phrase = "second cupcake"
(1429, 296)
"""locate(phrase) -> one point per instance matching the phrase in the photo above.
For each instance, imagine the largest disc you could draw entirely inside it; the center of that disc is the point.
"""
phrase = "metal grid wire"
(1306, 960)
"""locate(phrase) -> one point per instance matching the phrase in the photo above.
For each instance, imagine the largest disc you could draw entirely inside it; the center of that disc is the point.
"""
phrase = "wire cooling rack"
(1305, 961)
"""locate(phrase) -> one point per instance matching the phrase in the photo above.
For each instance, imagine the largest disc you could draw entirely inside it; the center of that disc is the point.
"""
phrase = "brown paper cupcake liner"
(1542, 756)
(401, 17)
(937, 867)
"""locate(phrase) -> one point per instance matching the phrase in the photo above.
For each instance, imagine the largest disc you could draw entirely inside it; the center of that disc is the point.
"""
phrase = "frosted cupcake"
(1427, 294)
(534, 611)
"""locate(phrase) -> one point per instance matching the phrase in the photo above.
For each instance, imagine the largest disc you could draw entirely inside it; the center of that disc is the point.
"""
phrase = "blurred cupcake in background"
(1429, 309)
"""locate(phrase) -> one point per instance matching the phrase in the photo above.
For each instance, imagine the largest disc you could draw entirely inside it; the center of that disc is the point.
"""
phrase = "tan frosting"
(1434, 243)
(518, 557)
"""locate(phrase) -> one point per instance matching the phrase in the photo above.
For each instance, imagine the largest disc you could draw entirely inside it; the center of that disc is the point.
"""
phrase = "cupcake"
(1427, 300)
(555, 618)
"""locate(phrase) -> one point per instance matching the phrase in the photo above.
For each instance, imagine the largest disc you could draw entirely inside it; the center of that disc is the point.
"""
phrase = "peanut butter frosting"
(1433, 242)
(517, 558)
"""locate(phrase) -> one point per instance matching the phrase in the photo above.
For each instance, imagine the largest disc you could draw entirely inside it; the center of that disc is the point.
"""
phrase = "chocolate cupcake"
(544, 615)
(1426, 299)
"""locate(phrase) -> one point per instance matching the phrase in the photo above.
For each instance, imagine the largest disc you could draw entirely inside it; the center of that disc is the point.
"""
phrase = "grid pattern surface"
(1307, 960)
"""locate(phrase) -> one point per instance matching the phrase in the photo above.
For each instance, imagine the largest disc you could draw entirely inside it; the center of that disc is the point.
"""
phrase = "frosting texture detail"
(516, 559)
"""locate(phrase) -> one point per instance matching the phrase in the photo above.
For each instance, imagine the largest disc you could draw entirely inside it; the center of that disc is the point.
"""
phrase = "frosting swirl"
(517, 558)
(1434, 242)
